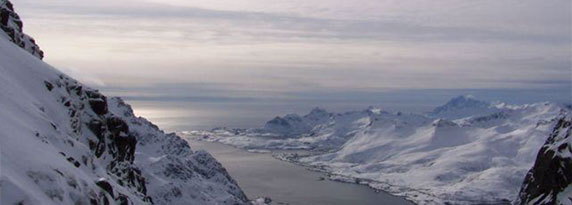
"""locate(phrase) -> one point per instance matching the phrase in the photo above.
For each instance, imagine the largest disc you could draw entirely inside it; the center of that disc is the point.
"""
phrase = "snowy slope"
(480, 154)
(550, 179)
(64, 143)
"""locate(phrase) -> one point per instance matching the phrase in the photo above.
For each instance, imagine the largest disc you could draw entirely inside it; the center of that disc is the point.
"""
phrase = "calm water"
(259, 174)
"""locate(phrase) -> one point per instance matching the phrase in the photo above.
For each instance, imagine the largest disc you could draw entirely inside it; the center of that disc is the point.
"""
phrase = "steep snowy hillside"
(64, 143)
(550, 179)
(481, 157)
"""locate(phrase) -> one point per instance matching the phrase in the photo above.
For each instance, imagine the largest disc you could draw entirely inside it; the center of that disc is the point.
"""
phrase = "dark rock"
(77, 88)
(97, 127)
(105, 200)
(4, 17)
(124, 142)
(73, 161)
(98, 105)
(49, 86)
(97, 102)
(93, 201)
(148, 199)
(126, 147)
(99, 149)
(123, 200)
(552, 170)
(92, 145)
(11, 24)
(59, 172)
(103, 184)
(117, 126)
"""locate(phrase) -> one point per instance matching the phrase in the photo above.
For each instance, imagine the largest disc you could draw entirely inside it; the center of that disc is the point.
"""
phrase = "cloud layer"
(320, 45)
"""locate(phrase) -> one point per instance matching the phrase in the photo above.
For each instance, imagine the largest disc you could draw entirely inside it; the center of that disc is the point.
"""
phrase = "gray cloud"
(413, 100)
(280, 26)
(437, 45)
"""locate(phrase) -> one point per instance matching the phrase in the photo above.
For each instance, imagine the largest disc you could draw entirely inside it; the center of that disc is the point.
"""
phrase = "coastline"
(310, 177)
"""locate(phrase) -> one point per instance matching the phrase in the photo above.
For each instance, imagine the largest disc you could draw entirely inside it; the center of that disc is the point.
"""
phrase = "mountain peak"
(317, 114)
(466, 100)
(463, 102)
(466, 96)
(318, 110)
(463, 106)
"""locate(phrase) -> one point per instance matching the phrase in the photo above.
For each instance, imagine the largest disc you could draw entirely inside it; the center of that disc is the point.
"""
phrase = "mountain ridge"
(65, 143)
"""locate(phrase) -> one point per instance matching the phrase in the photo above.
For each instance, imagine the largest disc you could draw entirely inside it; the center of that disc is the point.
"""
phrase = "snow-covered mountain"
(466, 151)
(65, 143)
(550, 180)
(464, 106)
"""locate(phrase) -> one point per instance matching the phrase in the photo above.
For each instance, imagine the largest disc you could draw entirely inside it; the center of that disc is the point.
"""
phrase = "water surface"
(259, 174)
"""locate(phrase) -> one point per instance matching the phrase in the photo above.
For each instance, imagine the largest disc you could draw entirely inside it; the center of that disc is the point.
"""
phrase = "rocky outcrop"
(549, 180)
(165, 170)
(12, 26)
(65, 143)
(107, 136)
(172, 169)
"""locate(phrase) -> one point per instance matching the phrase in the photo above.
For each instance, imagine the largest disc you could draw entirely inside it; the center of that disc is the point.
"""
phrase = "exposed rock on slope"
(550, 179)
(65, 143)
(12, 26)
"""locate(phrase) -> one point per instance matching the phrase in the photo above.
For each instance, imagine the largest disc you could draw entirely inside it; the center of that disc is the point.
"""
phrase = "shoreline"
(292, 155)
(329, 176)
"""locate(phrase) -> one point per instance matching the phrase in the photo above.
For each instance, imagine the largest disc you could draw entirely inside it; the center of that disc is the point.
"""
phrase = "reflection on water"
(262, 175)
(188, 115)
(184, 116)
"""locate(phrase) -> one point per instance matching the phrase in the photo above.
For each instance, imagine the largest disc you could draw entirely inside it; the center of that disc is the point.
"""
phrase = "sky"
(408, 55)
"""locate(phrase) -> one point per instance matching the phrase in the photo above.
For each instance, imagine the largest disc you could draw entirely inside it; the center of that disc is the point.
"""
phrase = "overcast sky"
(277, 47)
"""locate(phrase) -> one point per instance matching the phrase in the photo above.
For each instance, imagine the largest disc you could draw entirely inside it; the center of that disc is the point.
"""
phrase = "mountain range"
(66, 143)
(466, 151)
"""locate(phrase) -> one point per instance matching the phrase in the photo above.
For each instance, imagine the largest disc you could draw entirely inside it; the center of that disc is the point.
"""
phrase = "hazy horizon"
(252, 60)
(185, 113)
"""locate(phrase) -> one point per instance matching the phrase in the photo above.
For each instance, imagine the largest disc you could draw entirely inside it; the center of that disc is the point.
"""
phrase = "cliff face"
(12, 26)
(62, 142)
(549, 180)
